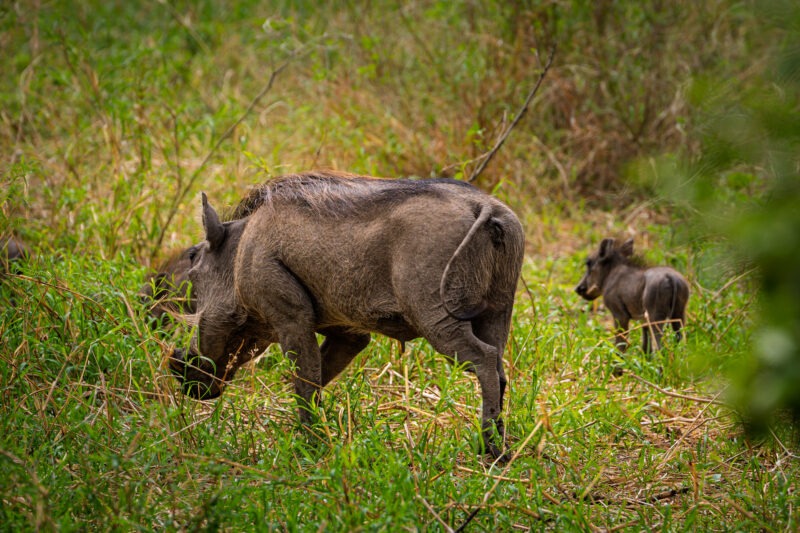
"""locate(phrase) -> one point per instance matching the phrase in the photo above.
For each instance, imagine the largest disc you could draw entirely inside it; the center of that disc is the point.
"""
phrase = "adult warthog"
(656, 295)
(345, 256)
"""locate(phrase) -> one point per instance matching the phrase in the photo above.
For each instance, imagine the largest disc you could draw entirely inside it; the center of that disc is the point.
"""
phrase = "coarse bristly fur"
(344, 256)
(333, 193)
(166, 289)
(631, 290)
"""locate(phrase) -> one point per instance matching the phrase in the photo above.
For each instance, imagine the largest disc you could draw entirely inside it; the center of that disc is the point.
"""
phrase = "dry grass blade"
(695, 425)
(691, 398)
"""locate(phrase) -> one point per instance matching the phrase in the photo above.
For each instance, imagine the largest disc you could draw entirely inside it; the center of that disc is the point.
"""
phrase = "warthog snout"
(581, 289)
(588, 292)
(195, 382)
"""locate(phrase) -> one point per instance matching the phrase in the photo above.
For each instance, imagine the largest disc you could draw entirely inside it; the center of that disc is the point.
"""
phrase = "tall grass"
(114, 116)
(95, 432)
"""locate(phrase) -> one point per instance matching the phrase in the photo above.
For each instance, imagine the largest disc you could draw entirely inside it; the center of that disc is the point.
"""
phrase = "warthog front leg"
(621, 333)
(303, 349)
(287, 307)
(316, 366)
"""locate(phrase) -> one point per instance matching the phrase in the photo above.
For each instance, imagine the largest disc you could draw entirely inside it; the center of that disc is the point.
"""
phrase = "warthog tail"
(486, 263)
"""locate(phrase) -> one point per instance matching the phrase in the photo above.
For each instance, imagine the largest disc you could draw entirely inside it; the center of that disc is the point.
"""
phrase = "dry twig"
(677, 395)
(697, 424)
(517, 118)
(196, 174)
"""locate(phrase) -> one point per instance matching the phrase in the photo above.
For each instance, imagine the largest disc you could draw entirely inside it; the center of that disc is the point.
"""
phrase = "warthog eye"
(192, 254)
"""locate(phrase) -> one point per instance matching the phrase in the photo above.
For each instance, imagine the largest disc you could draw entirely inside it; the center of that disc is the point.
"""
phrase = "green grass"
(113, 118)
(95, 431)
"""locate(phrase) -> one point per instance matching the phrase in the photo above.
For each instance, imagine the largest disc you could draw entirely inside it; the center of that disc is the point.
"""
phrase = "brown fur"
(345, 256)
(166, 290)
(656, 295)
(12, 251)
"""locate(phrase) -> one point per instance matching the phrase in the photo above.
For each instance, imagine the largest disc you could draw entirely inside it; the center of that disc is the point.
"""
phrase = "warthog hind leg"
(456, 339)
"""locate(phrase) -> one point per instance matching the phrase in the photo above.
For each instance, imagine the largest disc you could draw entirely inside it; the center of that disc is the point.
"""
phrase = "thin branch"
(196, 174)
(435, 514)
(785, 450)
(517, 118)
(745, 274)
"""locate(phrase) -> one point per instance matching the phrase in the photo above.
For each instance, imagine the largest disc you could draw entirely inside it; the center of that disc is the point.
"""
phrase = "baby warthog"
(655, 295)
(344, 256)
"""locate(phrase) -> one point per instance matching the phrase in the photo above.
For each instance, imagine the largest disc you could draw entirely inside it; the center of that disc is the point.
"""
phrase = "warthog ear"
(627, 248)
(215, 231)
(606, 247)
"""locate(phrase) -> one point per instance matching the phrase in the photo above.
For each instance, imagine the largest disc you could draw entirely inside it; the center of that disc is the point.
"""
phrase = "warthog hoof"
(492, 432)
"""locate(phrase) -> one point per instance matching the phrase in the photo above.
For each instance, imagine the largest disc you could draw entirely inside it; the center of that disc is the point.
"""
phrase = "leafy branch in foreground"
(743, 192)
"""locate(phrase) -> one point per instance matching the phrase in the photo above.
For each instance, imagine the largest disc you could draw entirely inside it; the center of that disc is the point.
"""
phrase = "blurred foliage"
(741, 195)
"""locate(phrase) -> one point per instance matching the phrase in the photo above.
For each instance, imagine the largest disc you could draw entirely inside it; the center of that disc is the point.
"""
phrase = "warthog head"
(600, 264)
(224, 337)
